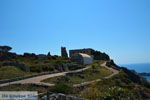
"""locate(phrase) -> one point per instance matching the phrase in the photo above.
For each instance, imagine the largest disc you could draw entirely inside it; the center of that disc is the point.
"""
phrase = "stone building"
(88, 51)
(97, 55)
(81, 58)
(64, 52)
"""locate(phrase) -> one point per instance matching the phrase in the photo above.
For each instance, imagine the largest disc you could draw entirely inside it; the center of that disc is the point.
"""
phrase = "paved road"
(37, 80)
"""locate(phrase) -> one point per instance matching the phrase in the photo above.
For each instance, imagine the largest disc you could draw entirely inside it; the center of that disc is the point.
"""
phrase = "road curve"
(89, 82)
(37, 80)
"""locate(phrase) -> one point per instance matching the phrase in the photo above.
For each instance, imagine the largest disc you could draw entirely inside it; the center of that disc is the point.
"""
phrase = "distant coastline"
(139, 68)
(144, 74)
(143, 69)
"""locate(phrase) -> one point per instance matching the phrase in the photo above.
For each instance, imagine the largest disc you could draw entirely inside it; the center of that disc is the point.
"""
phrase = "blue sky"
(121, 28)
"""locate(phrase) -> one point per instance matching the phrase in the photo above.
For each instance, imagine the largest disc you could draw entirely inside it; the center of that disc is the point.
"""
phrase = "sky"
(120, 28)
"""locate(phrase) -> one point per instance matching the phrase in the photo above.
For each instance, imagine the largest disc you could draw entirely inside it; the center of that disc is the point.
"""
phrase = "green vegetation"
(98, 62)
(8, 72)
(126, 85)
(58, 88)
(123, 86)
(31, 61)
(93, 73)
(24, 87)
(36, 66)
(41, 65)
(10, 65)
(62, 87)
(117, 88)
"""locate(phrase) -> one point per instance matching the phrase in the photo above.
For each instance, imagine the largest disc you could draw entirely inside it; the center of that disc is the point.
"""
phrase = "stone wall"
(88, 51)
(96, 54)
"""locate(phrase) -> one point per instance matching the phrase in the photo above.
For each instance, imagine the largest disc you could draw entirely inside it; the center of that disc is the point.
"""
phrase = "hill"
(102, 80)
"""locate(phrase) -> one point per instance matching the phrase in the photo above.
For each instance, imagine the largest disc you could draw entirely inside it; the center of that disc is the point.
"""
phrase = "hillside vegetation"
(119, 87)
(9, 72)
(13, 65)
(124, 85)
(95, 72)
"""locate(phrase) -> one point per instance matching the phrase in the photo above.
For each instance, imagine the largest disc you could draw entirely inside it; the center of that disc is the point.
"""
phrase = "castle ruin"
(64, 52)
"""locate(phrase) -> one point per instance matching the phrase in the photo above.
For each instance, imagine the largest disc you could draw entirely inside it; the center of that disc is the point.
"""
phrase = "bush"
(62, 88)
(36, 69)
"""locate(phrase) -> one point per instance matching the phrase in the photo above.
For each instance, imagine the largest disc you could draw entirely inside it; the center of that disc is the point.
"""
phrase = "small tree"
(5, 48)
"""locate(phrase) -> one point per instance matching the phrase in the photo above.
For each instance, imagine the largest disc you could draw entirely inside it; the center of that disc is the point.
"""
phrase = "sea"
(140, 68)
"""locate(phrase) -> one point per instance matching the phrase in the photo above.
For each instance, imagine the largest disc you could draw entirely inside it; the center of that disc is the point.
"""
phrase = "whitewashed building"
(82, 58)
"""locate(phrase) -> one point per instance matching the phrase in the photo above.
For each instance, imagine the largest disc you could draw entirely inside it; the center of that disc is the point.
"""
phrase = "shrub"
(62, 88)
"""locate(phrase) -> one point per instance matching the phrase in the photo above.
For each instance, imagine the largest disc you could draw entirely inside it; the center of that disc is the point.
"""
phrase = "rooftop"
(82, 49)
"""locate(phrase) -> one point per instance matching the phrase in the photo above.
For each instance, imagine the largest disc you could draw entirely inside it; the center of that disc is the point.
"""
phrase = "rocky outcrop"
(60, 96)
(132, 76)
(7, 56)
(30, 55)
(100, 56)
(111, 64)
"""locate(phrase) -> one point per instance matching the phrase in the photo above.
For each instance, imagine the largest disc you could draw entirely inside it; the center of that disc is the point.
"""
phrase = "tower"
(64, 52)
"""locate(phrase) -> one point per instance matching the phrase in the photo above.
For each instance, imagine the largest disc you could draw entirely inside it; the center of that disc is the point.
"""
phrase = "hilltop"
(101, 80)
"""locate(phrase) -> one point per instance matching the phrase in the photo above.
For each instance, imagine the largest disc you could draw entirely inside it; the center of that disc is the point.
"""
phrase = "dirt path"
(37, 80)
(114, 72)
(89, 82)
(112, 69)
